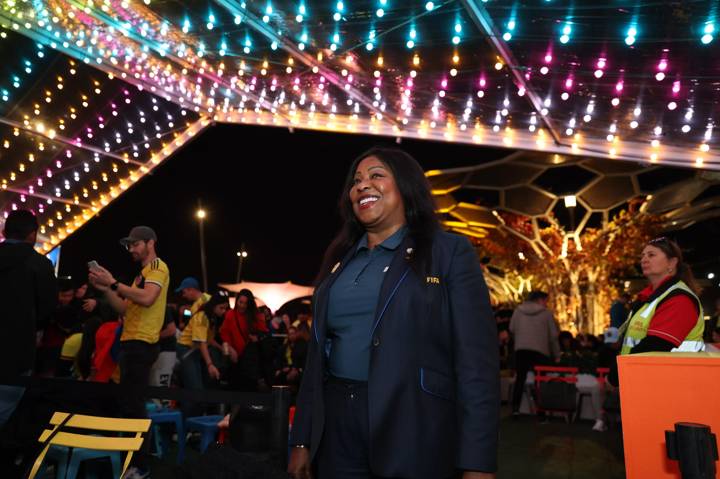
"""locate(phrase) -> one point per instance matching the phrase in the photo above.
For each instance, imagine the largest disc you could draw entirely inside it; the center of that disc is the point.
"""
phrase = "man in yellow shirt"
(190, 291)
(143, 305)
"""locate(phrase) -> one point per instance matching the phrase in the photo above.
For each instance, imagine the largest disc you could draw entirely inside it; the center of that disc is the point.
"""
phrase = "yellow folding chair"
(59, 436)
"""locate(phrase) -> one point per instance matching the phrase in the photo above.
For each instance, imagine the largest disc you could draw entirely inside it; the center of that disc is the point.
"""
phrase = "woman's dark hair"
(209, 306)
(251, 312)
(417, 199)
(567, 335)
(672, 250)
(87, 346)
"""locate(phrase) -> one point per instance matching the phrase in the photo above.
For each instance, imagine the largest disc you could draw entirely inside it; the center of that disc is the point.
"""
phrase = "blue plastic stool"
(78, 455)
(161, 441)
(58, 454)
(207, 426)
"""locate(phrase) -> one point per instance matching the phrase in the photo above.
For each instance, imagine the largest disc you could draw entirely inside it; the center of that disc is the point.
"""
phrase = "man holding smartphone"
(143, 305)
(190, 291)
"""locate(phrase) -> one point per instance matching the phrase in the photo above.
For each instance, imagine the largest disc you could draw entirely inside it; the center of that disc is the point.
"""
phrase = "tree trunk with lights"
(581, 280)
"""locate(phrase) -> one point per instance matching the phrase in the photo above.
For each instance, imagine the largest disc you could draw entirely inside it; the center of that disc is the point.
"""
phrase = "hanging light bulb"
(566, 31)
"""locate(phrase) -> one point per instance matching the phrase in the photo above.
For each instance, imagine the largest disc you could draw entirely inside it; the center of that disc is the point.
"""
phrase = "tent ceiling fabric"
(274, 295)
(119, 85)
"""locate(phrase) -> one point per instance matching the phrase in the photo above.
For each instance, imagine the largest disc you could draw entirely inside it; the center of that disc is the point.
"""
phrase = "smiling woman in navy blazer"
(402, 378)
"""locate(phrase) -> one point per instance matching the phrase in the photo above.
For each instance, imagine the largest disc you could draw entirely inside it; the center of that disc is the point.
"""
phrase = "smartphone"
(93, 265)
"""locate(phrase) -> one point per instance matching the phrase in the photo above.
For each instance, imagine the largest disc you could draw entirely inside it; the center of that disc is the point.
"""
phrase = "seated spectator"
(714, 345)
(569, 355)
(279, 324)
(291, 360)
(567, 341)
(89, 302)
(68, 354)
(303, 322)
(61, 323)
(610, 348)
(267, 314)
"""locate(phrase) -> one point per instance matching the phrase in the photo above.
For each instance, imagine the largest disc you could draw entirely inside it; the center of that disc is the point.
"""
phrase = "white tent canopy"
(274, 295)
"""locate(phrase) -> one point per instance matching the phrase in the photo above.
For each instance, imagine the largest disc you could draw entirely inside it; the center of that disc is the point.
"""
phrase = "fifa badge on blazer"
(432, 280)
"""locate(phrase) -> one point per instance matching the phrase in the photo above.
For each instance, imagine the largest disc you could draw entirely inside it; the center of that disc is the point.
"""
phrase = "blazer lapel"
(398, 270)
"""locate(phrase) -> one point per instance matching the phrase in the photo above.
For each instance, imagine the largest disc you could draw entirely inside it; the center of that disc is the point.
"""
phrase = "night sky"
(274, 190)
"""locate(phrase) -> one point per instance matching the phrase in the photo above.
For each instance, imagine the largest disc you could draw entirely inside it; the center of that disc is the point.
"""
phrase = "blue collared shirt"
(352, 304)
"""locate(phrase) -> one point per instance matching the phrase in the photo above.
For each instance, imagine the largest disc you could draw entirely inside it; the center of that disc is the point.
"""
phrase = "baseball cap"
(139, 233)
(188, 282)
(611, 335)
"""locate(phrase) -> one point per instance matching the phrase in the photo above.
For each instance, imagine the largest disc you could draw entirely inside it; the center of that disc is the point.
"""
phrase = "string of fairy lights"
(596, 80)
(74, 150)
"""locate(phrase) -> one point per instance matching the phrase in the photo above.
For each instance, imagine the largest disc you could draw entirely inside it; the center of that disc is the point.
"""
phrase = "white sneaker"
(599, 426)
(133, 472)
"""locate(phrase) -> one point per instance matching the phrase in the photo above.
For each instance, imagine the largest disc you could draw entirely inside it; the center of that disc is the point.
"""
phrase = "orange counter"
(656, 391)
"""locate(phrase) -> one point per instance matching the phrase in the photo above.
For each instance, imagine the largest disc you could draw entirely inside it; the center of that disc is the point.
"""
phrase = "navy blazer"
(433, 385)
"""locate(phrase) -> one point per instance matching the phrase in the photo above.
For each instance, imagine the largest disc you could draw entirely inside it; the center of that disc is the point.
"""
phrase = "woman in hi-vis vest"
(668, 315)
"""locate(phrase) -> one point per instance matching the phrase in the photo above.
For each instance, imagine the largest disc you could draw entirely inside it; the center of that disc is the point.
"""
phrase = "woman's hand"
(89, 305)
(213, 372)
(299, 465)
(233, 354)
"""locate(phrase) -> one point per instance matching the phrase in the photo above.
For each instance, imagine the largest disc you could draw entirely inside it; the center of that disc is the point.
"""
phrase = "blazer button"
(376, 341)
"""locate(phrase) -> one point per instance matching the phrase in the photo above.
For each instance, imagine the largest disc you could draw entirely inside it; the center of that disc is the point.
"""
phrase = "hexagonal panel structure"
(447, 182)
(658, 178)
(478, 196)
(564, 180)
(475, 216)
(503, 175)
(527, 201)
(613, 167)
(608, 192)
(675, 196)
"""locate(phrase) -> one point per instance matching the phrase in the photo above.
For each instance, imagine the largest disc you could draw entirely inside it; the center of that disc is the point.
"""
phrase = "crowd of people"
(203, 342)
(666, 316)
(140, 332)
(403, 344)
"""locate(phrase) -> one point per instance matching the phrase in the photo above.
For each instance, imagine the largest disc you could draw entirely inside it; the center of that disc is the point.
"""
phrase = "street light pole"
(201, 214)
(242, 254)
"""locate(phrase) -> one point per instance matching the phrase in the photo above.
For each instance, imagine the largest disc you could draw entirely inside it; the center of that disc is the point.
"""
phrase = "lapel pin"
(337, 265)
(409, 252)
(386, 268)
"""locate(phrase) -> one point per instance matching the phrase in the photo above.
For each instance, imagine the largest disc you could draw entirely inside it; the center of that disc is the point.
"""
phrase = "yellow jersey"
(144, 323)
(197, 330)
(195, 307)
